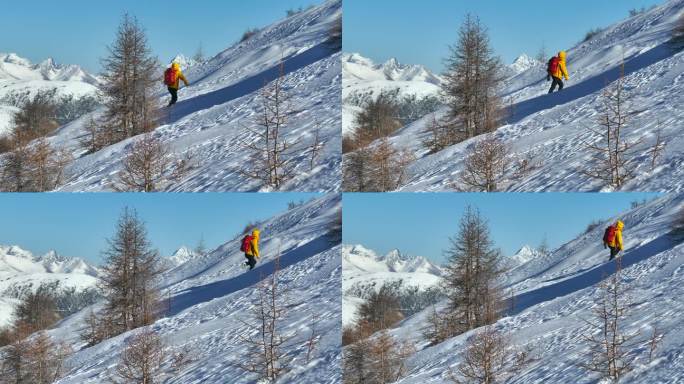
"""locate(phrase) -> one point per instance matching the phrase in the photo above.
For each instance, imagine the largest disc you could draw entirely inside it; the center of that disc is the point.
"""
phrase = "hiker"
(612, 238)
(250, 246)
(172, 78)
(556, 71)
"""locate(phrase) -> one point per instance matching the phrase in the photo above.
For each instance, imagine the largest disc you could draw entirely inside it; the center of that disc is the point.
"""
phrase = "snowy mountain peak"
(52, 256)
(13, 58)
(523, 62)
(180, 257)
(395, 255)
(392, 63)
(183, 61)
(525, 253)
(48, 63)
(16, 251)
(357, 58)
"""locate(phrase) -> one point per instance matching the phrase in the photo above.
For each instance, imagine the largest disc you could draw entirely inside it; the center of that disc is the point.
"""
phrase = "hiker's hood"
(619, 225)
(561, 55)
(175, 66)
(256, 233)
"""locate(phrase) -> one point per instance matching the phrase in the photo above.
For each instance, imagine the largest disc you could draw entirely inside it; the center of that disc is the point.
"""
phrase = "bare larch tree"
(613, 161)
(473, 273)
(130, 72)
(609, 343)
(472, 80)
(271, 154)
(131, 272)
(266, 356)
(150, 166)
(141, 359)
(486, 166)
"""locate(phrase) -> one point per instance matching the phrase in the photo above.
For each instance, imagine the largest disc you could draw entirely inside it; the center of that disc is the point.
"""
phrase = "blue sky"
(77, 224)
(419, 32)
(421, 223)
(78, 31)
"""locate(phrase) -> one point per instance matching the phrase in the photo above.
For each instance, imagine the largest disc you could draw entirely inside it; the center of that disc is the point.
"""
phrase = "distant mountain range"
(356, 67)
(20, 80)
(16, 68)
(362, 267)
(361, 259)
(16, 261)
(21, 270)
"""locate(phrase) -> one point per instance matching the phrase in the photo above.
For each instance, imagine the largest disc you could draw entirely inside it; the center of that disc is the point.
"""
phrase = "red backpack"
(246, 243)
(170, 77)
(553, 65)
(609, 235)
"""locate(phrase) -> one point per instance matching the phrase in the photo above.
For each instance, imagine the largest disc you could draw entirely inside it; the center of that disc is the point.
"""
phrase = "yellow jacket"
(562, 70)
(179, 76)
(254, 249)
(617, 241)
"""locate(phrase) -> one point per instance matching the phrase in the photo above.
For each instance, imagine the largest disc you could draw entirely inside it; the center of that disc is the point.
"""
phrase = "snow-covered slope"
(554, 130)
(224, 98)
(211, 297)
(553, 293)
(21, 80)
(363, 267)
(19, 268)
(361, 78)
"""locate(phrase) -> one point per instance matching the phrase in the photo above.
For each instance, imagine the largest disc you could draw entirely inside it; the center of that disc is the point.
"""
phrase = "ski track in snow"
(209, 122)
(211, 297)
(554, 129)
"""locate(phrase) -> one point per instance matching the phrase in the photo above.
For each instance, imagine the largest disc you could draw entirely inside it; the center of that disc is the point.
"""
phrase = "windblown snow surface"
(362, 266)
(212, 295)
(224, 98)
(554, 130)
(553, 293)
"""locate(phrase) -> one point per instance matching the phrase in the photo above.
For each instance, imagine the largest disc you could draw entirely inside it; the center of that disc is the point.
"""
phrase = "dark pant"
(174, 95)
(251, 261)
(613, 252)
(556, 81)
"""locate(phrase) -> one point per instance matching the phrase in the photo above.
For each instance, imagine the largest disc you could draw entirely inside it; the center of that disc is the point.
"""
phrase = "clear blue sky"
(421, 223)
(78, 31)
(419, 32)
(77, 224)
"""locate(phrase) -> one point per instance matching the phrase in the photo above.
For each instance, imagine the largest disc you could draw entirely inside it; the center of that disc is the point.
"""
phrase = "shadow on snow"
(246, 86)
(196, 295)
